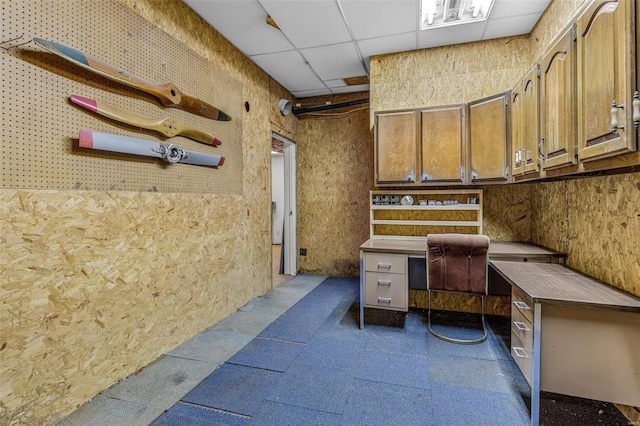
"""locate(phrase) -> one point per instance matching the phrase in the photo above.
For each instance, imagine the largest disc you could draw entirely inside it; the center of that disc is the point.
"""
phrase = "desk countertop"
(497, 249)
(550, 283)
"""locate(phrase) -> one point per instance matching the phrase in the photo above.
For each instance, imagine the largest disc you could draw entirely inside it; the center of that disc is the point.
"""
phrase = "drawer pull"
(521, 326)
(384, 300)
(520, 352)
(384, 282)
(384, 266)
(521, 305)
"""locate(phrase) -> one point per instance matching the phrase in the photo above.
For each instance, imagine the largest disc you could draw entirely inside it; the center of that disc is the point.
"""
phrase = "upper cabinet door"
(557, 115)
(606, 79)
(530, 90)
(489, 139)
(517, 131)
(396, 147)
(442, 145)
(525, 128)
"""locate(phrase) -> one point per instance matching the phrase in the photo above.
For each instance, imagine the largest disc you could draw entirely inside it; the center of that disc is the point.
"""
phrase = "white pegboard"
(40, 125)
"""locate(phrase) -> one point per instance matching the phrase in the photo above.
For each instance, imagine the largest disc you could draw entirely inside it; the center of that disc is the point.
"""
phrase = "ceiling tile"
(335, 61)
(450, 35)
(506, 8)
(510, 26)
(310, 93)
(338, 82)
(308, 23)
(350, 89)
(388, 44)
(242, 23)
(290, 70)
(368, 19)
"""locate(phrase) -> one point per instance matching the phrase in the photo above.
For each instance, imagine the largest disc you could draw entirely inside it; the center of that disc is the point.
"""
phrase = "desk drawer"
(520, 303)
(523, 328)
(385, 291)
(384, 262)
(521, 355)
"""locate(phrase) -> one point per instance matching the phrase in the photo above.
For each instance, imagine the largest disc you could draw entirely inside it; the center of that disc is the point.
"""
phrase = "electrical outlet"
(303, 252)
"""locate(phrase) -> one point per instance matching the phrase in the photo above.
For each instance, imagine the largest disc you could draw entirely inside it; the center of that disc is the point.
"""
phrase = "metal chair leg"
(454, 340)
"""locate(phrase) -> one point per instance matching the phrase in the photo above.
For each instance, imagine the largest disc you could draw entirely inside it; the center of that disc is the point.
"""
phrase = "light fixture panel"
(443, 13)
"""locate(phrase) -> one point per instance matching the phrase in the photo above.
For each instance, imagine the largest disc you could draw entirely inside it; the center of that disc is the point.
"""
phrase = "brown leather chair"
(457, 263)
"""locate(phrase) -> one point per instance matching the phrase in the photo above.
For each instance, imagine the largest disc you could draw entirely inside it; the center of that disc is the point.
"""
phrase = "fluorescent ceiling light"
(442, 13)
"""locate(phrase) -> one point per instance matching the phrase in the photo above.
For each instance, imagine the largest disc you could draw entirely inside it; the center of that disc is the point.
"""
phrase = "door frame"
(289, 237)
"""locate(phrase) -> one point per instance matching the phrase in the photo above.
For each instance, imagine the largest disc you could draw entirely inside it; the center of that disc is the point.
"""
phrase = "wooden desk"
(383, 268)
(572, 334)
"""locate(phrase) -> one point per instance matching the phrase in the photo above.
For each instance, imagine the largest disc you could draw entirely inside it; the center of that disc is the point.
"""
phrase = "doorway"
(283, 209)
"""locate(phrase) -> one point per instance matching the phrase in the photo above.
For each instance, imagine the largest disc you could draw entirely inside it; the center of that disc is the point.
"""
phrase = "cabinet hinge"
(575, 33)
(539, 72)
(575, 150)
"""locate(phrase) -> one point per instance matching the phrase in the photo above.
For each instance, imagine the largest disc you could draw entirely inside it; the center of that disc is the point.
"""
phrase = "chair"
(457, 263)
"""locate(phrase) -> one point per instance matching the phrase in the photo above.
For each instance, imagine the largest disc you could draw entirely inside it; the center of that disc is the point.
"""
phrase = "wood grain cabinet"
(442, 145)
(606, 79)
(558, 103)
(420, 147)
(489, 139)
(525, 119)
(396, 147)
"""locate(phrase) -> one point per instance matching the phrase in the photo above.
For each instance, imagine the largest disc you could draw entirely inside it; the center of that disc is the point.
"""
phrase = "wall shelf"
(391, 220)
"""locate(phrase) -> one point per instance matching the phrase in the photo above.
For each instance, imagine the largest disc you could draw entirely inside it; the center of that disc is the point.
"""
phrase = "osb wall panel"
(335, 156)
(600, 228)
(447, 75)
(41, 125)
(96, 285)
(507, 212)
(550, 220)
(493, 305)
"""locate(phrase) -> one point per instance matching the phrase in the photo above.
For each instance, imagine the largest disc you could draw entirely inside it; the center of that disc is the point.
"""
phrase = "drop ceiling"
(320, 43)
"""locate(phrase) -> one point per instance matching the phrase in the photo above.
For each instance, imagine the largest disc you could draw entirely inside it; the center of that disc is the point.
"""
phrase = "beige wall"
(96, 285)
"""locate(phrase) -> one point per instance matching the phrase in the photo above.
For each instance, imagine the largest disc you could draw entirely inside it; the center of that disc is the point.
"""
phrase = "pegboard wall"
(40, 125)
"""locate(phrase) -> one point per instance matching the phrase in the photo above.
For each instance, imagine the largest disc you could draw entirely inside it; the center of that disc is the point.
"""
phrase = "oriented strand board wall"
(597, 221)
(95, 285)
(335, 157)
(447, 75)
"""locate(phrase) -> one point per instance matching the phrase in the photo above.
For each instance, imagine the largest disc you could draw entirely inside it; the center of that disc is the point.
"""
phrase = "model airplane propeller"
(168, 94)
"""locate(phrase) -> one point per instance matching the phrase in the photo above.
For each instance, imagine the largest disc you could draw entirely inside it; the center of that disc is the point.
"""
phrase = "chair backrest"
(457, 263)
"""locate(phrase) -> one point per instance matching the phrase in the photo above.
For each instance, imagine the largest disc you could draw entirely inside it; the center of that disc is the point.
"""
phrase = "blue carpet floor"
(314, 366)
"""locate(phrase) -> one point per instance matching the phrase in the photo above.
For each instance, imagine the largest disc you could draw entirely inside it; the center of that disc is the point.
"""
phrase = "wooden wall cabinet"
(442, 145)
(396, 147)
(489, 139)
(606, 79)
(525, 119)
(420, 147)
(558, 103)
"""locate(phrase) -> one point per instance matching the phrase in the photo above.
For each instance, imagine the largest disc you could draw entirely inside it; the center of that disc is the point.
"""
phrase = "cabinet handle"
(411, 177)
(384, 300)
(521, 305)
(614, 116)
(384, 282)
(521, 326)
(636, 109)
(474, 175)
(384, 266)
(520, 352)
(540, 154)
(426, 177)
